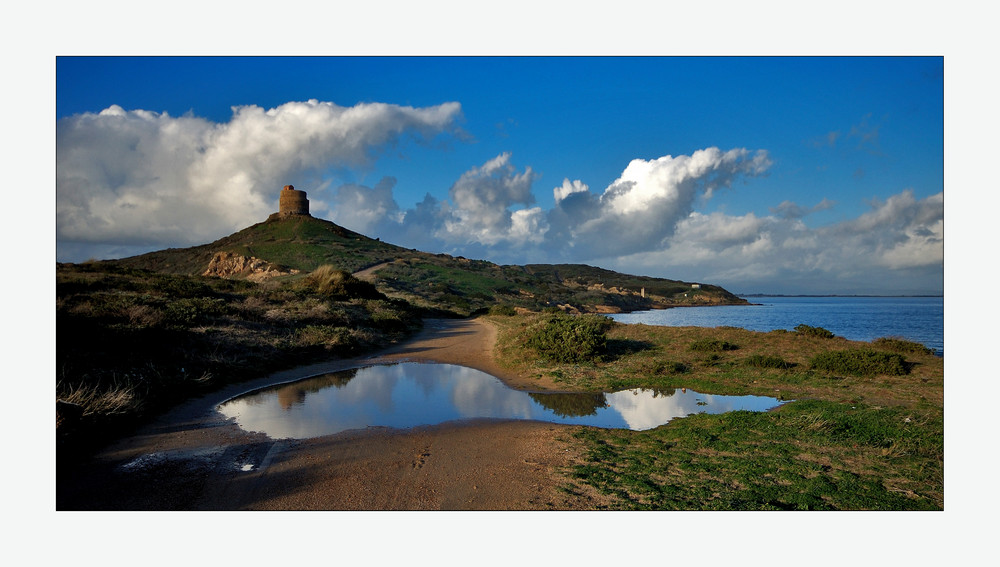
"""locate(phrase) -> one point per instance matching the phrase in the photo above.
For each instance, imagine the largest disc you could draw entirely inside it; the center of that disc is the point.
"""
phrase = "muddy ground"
(193, 459)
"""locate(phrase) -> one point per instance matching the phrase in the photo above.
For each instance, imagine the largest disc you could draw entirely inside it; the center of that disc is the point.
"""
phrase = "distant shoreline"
(827, 295)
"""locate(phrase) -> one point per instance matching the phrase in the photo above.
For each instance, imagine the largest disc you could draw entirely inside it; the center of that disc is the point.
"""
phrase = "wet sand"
(192, 459)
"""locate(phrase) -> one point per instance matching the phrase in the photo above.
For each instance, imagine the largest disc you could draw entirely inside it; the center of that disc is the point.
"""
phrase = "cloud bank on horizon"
(133, 181)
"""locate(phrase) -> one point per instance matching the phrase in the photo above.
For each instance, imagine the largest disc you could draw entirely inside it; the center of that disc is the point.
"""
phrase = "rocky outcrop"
(232, 265)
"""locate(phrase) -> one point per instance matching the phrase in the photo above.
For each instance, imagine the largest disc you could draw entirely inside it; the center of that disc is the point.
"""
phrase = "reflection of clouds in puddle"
(411, 394)
(641, 409)
(477, 394)
(368, 387)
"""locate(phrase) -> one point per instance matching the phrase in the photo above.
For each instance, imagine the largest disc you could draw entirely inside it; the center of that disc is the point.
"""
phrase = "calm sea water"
(919, 319)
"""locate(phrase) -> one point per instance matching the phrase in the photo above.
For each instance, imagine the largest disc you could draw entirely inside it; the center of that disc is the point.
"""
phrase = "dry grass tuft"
(116, 399)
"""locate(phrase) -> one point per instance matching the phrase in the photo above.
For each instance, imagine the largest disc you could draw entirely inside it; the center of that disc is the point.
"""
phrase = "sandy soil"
(192, 459)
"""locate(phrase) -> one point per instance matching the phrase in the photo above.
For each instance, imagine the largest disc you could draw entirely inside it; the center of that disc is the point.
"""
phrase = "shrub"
(767, 361)
(188, 311)
(563, 338)
(679, 367)
(388, 315)
(813, 331)
(331, 282)
(324, 335)
(667, 367)
(500, 309)
(901, 345)
(860, 362)
(712, 345)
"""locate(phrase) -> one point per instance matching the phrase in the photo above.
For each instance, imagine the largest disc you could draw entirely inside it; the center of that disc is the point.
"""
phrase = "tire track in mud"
(238, 473)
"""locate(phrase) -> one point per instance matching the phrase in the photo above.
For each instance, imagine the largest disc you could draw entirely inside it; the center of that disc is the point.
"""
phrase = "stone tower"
(292, 202)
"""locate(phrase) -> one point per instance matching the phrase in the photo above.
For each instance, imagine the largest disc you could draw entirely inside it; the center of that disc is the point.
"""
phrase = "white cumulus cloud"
(138, 177)
(481, 200)
(568, 188)
(898, 245)
(640, 210)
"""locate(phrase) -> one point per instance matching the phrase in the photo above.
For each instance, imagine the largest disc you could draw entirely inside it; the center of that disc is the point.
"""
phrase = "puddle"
(412, 394)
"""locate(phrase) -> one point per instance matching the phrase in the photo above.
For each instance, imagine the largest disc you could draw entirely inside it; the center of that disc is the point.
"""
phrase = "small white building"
(696, 286)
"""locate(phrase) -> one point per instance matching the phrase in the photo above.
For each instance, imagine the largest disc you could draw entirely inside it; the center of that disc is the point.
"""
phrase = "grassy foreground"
(865, 430)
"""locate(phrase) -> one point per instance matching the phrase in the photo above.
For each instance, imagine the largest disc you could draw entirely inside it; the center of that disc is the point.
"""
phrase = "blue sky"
(761, 174)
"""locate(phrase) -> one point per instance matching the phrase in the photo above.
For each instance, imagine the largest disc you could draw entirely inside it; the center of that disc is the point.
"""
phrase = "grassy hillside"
(299, 242)
(438, 281)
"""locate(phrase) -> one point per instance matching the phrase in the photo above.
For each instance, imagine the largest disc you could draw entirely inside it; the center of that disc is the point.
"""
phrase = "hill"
(287, 247)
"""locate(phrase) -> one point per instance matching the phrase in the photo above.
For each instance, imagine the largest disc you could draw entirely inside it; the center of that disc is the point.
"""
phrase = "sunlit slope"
(299, 242)
(455, 284)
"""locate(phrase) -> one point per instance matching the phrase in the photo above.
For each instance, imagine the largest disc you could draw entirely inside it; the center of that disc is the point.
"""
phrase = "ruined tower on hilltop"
(291, 202)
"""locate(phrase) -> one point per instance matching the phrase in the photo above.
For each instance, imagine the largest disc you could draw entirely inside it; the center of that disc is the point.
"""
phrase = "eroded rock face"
(230, 264)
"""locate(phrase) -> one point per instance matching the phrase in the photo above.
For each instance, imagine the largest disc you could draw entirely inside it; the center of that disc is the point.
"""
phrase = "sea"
(857, 318)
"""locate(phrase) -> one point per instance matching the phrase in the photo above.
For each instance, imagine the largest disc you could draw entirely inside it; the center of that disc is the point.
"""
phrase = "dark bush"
(564, 338)
(389, 315)
(189, 311)
(901, 345)
(661, 367)
(861, 362)
(813, 331)
(500, 309)
(712, 345)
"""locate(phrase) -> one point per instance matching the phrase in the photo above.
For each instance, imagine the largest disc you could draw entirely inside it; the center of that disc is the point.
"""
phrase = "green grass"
(844, 442)
(813, 455)
(766, 361)
(860, 362)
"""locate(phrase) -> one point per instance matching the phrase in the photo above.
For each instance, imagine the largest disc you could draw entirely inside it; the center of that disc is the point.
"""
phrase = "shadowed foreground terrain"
(848, 442)
(190, 459)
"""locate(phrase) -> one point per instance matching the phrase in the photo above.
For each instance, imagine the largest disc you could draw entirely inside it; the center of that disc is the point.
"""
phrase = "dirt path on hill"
(368, 273)
(193, 459)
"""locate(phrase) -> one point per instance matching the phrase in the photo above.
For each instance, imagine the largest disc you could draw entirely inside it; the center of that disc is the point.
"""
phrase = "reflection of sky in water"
(411, 394)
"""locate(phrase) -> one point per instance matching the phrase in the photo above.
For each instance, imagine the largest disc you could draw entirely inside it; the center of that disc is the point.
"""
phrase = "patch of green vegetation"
(303, 243)
(503, 310)
(860, 362)
(712, 345)
(901, 345)
(564, 338)
(581, 274)
(844, 443)
(809, 331)
(811, 455)
(767, 361)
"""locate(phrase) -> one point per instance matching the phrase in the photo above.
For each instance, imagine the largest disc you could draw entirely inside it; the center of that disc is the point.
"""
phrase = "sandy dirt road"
(193, 459)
